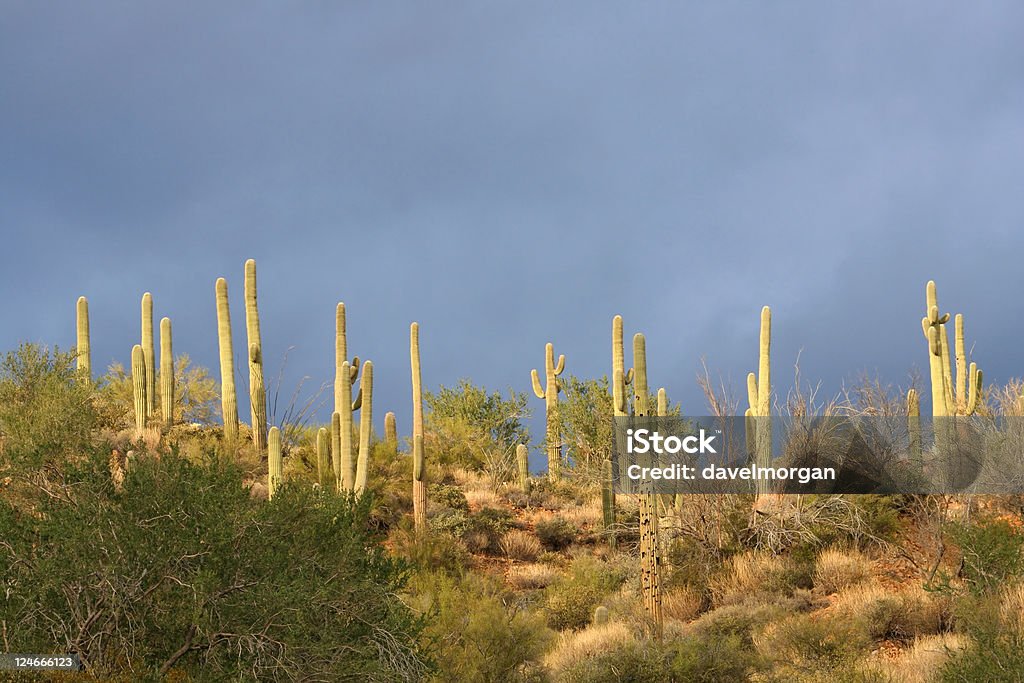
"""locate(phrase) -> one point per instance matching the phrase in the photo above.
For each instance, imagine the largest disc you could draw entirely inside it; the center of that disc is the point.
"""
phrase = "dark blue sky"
(513, 173)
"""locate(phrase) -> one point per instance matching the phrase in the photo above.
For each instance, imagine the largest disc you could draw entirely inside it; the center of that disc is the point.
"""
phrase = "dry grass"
(921, 661)
(588, 515)
(836, 569)
(575, 647)
(1011, 609)
(531, 576)
(748, 574)
(898, 615)
(681, 604)
(480, 498)
(521, 545)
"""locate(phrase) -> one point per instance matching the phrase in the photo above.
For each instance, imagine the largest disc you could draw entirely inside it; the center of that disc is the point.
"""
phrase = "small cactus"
(257, 386)
(274, 476)
(365, 426)
(139, 384)
(419, 474)
(523, 467)
(391, 430)
(83, 350)
(336, 449)
(324, 474)
(600, 615)
(228, 398)
(549, 393)
(149, 351)
(166, 373)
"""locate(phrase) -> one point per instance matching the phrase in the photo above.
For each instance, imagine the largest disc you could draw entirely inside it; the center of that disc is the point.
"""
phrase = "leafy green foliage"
(196, 394)
(183, 571)
(571, 600)
(556, 532)
(991, 551)
(46, 408)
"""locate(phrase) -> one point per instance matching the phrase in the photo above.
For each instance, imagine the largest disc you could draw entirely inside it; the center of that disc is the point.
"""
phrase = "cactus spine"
(390, 430)
(323, 457)
(949, 398)
(257, 387)
(274, 475)
(549, 393)
(650, 581)
(523, 466)
(83, 350)
(139, 388)
(365, 426)
(228, 398)
(336, 449)
(166, 373)
(150, 353)
(419, 478)
(759, 395)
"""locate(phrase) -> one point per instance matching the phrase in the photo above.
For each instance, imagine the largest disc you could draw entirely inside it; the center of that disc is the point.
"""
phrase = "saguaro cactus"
(228, 398)
(391, 430)
(650, 581)
(341, 356)
(166, 373)
(914, 424)
(365, 426)
(419, 465)
(274, 475)
(759, 395)
(257, 386)
(549, 393)
(348, 472)
(139, 385)
(949, 399)
(600, 615)
(523, 467)
(324, 473)
(150, 353)
(336, 449)
(621, 378)
(83, 350)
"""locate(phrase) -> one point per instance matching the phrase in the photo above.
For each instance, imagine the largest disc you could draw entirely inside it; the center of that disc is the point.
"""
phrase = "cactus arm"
(961, 362)
(752, 391)
(537, 389)
(347, 462)
(662, 402)
(639, 375)
(323, 457)
(357, 402)
(365, 427)
(618, 395)
(560, 367)
(336, 449)
(974, 391)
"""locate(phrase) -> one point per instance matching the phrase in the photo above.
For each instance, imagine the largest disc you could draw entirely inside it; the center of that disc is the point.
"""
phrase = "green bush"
(556, 533)
(991, 551)
(475, 631)
(183, 571)
(46, 408)
(449, 496)
(570, 602)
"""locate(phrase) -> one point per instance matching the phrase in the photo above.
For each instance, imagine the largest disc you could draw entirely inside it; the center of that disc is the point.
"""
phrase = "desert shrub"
(446, 495)
(453, 523)
(802, 642)
(994, 623)
(739, 620)
(759, 573)
(897, 615)
(480, 531)
(531, 576)
(710, 660)
(475, 632)
(574, 648)
(920, 663)
(520, 545)
(682, 603)
(571, 600)
(46, 410)
(430, 551)
(556, 532)
(182, 556)
(836, 569)
(991, 551)
(692, 563)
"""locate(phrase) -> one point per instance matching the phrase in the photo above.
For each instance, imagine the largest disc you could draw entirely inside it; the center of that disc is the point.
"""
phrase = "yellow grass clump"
(521, 545)
(531, 576)
(836, 569)
(575, 647)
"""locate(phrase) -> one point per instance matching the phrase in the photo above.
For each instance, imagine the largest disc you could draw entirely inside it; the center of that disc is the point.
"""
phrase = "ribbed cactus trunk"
(608, 501)
(228, 397)
(523, 467)
(391, 430)
(549, 393)
(419, 465)
(257, 386)
(149, 349)
(166, 374)
(274, 464)
(621, 380)
(139, 385)
(324, 474)
(347, 461)
(914, 424)
(650, 579)
(83, 349)
(336, 449)
(340, 357)
(759, 395)
(365, 426)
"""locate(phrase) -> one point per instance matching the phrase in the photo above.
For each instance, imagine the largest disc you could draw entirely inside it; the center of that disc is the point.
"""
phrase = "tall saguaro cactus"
(650, 581)
(365, 426)
(228, 397)
(914, 423)
(149, 350)
(324, 474)
(83, 350)
(341, 356)
(336, 449)
(139, 385)
(549, 393)
(166, 373)
(949, 399)
(759, 395)
(419, 465)
(523, 467)
(621, 378)
(257, 386)
(390, 430)
(274, 465)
